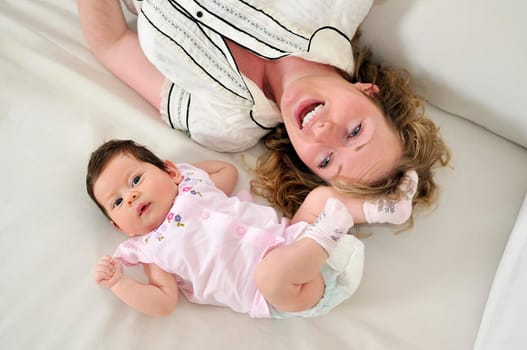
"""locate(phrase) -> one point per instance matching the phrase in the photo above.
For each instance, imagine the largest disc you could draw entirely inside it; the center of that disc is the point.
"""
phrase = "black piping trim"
(223, 53)
(260, 125)
(193, 60)
(181, 9)
(188, 15)
(274, 20)
(252, 36)
(327, 27)
(168, 106)
(237, 68)
(188, 114)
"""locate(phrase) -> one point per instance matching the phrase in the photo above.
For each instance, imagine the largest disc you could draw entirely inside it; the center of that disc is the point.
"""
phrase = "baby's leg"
(289, 276)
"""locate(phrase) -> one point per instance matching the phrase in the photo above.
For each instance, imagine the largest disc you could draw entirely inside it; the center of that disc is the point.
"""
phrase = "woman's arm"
(223, 174)
(158, 297)
(117, 47)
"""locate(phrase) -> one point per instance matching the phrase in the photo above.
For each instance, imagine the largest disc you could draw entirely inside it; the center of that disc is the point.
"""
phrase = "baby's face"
(136, 195)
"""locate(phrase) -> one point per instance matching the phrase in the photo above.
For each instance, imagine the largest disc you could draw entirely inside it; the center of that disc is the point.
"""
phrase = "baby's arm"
(316, 200)
(223, 174)
(158, 297)
(117, 47)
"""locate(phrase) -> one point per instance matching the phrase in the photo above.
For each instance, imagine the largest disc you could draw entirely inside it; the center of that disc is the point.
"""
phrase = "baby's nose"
(132, 197)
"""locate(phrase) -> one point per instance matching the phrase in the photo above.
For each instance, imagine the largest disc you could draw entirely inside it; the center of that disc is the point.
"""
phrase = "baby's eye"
(136, 180)
(117, 202)
(356, 130)
(325, 162)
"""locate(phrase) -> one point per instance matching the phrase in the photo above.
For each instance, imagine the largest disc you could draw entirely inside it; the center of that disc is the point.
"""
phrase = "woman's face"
(336, 129)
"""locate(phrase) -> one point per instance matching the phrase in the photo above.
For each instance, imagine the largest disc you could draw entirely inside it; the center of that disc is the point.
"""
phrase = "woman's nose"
(132, 196)
(324, 131)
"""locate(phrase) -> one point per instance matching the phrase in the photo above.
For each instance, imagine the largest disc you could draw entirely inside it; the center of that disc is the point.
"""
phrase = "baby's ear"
(173, 171)
(115, 226)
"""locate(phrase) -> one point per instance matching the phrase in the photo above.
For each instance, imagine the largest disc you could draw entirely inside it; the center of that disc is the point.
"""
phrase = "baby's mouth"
(142, 208)
(308, 113)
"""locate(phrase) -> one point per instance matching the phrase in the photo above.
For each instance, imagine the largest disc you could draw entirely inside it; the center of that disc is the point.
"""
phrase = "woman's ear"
(173, 171)
(368, 88)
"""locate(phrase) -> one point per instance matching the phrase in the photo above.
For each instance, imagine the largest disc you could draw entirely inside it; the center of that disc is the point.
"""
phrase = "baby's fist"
(108, 272)
(393, 211)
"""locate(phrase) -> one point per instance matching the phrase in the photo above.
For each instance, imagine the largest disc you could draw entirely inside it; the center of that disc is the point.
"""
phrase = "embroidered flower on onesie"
(171, 219)
(189, 185)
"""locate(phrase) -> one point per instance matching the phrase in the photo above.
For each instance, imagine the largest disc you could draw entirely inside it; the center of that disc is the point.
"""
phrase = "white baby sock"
(333, 223)
(393, 211)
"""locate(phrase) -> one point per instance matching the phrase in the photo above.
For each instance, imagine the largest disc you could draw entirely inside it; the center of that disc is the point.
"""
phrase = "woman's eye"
(117, 202)
(356, 130)
(325, 162)
(136, 180)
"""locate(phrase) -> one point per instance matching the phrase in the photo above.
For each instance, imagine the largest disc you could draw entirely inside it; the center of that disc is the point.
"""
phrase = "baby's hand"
(108, 272)
(384, 210)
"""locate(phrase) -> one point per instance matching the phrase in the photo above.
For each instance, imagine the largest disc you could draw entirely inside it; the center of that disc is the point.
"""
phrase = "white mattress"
(503, 322)
(423, 289)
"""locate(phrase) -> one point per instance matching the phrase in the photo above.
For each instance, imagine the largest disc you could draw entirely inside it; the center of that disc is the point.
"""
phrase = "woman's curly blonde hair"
(284, 180)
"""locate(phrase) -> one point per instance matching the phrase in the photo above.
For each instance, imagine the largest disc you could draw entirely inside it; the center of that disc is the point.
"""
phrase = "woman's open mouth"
(307, 112)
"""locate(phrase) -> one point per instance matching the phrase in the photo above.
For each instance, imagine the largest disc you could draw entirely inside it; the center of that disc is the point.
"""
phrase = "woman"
(229, 73)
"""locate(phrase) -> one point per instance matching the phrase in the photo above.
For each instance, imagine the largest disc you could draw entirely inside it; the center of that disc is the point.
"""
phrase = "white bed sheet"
(423, 289)
(503, 322)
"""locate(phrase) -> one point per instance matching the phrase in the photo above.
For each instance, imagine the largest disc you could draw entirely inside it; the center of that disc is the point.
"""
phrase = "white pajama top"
(205, 94)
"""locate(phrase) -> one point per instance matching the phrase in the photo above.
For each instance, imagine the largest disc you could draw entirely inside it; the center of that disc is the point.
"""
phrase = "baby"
(190, 236)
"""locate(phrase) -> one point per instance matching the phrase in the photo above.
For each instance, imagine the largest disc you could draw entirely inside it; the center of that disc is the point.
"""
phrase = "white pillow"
(467, 57)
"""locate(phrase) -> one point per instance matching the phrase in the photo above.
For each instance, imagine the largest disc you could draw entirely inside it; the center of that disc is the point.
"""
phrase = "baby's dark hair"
(102, 156)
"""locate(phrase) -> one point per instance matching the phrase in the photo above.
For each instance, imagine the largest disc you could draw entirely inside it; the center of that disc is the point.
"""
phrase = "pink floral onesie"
(212, 243)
